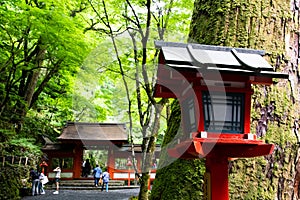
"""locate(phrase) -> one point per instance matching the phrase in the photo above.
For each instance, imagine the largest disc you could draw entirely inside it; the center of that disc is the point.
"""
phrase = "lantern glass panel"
(223, 112)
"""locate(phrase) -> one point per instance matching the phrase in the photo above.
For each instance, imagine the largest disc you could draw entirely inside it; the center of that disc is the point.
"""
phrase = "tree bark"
(148, 149)
(27, 93)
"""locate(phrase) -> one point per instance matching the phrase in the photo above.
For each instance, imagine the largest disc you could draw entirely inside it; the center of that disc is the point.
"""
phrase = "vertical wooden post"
(247, 111)
(77, 160)
(217, 167)
(128, 176)
(149, 183)
(110, 161)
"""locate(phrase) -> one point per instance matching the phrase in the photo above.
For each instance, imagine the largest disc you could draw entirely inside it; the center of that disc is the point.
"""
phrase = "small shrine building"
(110, 138)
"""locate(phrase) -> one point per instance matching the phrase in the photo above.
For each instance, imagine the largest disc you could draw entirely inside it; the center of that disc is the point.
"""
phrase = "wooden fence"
(15, 160)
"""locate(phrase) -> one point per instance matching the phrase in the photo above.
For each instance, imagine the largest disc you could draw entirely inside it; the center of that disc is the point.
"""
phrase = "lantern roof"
(190, 56)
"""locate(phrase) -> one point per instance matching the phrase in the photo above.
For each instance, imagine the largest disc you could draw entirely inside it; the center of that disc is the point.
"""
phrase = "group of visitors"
(38, 180)
(101, 178)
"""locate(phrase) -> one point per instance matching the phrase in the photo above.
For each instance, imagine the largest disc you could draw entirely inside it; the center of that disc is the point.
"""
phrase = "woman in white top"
(43, 180)
(57, 171)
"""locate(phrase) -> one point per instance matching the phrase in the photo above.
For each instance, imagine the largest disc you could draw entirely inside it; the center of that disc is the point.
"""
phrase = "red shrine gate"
(77, 137)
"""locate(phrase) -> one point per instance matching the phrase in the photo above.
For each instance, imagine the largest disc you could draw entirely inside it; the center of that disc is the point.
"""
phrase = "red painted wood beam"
(217, 167)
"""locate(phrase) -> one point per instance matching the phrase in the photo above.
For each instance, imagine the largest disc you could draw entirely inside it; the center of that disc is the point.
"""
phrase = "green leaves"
(42, 47)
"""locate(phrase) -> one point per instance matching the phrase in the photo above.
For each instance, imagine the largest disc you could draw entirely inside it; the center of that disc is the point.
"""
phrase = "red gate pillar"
(217, 167)
(77, 162)
(111, 162)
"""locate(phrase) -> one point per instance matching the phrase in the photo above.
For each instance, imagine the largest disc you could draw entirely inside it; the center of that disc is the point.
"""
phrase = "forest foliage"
(58, 64)
(39, 58)
(72, 60)
(63, 60)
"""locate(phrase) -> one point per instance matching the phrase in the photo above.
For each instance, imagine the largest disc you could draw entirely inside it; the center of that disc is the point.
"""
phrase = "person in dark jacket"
(87, 168)
(35, 180)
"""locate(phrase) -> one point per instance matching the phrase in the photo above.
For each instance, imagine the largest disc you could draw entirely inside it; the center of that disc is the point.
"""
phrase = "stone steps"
(93, 188)
(88, 184)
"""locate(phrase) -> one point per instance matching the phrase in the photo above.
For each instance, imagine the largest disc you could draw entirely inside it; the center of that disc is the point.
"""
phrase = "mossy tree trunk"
(260, 24)
(177, 179)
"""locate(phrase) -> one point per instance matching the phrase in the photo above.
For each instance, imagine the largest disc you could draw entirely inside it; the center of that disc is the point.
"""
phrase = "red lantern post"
(213, 86)
(129, 164)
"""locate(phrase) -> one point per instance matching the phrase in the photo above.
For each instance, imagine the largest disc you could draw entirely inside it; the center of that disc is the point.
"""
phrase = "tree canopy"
(42, 48)
(95, 61)
(81, 60)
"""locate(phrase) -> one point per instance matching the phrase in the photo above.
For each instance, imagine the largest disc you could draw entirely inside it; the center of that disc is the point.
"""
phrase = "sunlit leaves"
(129, 19)
(63, 29)
(44, 38)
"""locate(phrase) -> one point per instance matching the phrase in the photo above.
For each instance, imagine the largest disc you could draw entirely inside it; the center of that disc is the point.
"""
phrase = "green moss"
(183, 179)
(10, 184)
(177, 179)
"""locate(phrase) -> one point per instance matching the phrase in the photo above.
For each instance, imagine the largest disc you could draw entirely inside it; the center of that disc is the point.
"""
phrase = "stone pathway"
(86, 194)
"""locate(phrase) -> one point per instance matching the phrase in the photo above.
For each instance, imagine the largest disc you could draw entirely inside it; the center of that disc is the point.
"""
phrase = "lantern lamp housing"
(213, 87)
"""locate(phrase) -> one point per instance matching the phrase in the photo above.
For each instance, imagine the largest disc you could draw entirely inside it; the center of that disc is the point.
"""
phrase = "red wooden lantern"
(213, 86)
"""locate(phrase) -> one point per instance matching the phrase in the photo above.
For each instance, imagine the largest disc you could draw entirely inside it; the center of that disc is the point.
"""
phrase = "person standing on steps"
(105, 178)
(43, 180)
(86, 168)
(97, 175)
(57, 171)
(83, 168)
